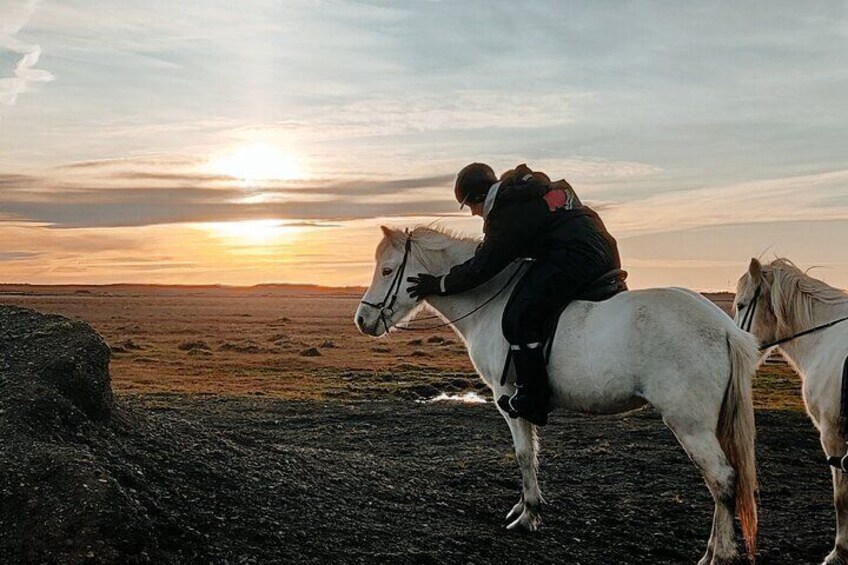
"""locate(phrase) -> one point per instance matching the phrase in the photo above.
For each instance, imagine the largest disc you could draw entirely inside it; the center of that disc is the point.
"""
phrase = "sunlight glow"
(259, 162)
(254, 233)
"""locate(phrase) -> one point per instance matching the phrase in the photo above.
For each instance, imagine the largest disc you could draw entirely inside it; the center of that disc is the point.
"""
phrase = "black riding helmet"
(473, 183)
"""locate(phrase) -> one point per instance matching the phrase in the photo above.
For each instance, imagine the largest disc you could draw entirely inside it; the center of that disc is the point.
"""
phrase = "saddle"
(604, 287)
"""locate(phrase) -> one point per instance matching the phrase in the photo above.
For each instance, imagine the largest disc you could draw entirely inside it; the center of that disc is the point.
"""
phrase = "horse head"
(386, 302)
(753, 306)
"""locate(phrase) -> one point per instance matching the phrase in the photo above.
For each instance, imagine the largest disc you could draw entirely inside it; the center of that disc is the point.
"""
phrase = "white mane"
(439, 238)
(437, 249)
(794, 293)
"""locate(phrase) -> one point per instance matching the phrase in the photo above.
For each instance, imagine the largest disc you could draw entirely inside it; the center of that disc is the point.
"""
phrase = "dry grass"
(263, 341)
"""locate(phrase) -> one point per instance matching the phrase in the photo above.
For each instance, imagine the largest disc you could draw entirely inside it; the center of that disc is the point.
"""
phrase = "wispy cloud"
(790, 199)
(17, 255)
(12, 19)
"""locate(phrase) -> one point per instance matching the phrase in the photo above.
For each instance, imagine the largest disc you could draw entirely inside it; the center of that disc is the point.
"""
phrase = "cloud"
(101, 201)
(17, 255)
(790, 199)
(25, 73)
(12, 181)
(465, 109)
(132, 163)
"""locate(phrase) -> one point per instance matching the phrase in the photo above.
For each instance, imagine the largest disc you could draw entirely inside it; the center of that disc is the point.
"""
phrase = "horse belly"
(595, 395)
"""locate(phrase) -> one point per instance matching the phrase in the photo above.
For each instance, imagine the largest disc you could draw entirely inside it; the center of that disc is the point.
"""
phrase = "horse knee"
(722, 484)
(526, 457)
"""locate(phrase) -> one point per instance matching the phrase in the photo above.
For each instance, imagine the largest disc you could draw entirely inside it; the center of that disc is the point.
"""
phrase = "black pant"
(536, 300)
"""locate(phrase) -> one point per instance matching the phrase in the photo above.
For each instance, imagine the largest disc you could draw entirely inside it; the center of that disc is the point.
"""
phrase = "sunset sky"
(265, 141)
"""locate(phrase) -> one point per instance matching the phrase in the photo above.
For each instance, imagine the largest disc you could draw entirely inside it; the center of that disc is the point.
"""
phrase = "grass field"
(295, 342)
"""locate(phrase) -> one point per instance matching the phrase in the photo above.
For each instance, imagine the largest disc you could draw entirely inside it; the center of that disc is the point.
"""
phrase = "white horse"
(777, 301)
(670, 348)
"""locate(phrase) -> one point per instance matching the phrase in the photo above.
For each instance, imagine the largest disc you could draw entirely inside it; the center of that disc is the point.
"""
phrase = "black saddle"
(604, 287)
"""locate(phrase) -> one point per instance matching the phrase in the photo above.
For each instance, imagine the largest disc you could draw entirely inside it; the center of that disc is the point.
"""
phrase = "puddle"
(468, 398)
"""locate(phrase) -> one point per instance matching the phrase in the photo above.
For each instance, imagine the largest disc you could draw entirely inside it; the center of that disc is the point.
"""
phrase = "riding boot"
(531, 398)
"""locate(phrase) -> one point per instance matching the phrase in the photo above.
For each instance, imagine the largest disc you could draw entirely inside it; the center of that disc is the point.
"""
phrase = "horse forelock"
(794, 293)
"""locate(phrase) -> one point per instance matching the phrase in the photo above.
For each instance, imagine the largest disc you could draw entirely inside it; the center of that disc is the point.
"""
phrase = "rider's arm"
(507, 230)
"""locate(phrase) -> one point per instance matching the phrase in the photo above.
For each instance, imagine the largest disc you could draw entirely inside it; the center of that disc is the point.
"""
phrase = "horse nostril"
(360, 321)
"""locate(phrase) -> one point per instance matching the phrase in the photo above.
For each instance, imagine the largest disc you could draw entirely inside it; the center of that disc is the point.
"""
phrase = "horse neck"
(804, 352)
(454, 306)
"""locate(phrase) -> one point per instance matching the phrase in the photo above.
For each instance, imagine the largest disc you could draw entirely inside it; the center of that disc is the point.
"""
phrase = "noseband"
(386, 306)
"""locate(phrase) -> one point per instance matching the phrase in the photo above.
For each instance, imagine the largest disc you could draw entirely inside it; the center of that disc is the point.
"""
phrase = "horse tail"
(736, 431)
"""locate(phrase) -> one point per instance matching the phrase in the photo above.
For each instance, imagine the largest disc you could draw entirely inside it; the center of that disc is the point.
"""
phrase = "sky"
(265, 141)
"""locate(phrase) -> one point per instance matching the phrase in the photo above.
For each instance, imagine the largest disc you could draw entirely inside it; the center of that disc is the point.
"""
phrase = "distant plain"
(282, 341)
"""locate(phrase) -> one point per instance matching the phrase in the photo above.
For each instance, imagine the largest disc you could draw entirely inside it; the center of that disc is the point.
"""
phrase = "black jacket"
(521, 224)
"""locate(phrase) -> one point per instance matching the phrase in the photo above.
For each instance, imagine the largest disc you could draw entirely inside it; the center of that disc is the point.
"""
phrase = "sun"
(259, 162)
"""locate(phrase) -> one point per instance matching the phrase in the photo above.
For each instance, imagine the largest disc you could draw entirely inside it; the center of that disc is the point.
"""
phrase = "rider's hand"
(423, 285)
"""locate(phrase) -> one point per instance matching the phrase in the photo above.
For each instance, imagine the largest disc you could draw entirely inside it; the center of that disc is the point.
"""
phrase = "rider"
(527, 216)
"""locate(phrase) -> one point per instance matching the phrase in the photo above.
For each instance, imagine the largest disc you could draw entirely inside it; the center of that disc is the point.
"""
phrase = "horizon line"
(231, 286)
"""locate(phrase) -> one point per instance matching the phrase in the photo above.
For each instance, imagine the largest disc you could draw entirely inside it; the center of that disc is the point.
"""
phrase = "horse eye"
(386, 271)
(740, 305)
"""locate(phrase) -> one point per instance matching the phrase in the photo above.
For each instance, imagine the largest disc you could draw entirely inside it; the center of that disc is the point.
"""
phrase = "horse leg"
(705, 451)
(527, 512)
(833, 444)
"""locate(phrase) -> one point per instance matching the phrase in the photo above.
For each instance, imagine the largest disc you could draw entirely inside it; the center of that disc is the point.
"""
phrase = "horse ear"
(755, 270)
(393, 235)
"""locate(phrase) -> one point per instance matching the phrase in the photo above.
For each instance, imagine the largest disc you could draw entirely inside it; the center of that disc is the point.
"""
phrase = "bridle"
(748, 320)
(386, 306)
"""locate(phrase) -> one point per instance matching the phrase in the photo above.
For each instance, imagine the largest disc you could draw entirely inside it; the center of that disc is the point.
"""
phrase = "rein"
(467, 314)
(748, 320)
(803, 333)
(386, 306)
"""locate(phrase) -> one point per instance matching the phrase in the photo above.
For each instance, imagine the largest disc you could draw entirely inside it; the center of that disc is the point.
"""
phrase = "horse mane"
(438, 238)
(794, 293)
(430, 245)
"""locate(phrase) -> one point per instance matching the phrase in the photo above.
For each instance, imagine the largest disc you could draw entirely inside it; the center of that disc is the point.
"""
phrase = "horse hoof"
(516, 510)
(527, 521)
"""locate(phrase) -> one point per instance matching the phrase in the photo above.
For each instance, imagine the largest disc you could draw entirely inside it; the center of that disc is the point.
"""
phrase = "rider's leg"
(538, 296)
(531, 398)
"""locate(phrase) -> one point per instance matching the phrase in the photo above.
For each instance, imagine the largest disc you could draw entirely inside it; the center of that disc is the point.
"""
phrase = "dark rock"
(128, 345)
(310, 352)
(193, 345)
(248, 347)
(38, 350)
